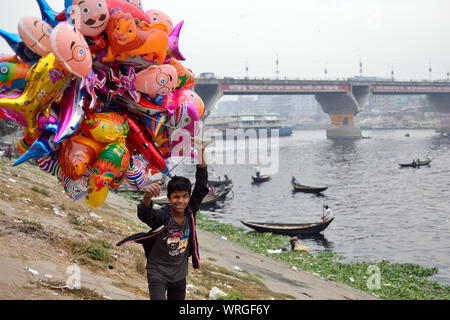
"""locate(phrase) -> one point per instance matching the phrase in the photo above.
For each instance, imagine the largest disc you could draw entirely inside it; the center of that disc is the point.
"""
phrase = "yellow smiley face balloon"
(47, 80)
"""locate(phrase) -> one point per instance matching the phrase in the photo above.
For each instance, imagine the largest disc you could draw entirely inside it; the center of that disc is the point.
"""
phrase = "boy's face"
(179, 201)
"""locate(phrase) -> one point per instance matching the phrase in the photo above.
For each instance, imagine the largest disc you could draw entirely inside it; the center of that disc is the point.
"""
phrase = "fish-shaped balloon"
(17, 45)
(13, 73)
(40, 91)
(71, 111)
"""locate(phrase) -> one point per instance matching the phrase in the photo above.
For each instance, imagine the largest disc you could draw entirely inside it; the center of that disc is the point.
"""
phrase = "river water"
(382, 212)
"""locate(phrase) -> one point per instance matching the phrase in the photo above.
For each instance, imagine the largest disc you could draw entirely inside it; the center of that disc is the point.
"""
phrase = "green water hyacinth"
(383, 279)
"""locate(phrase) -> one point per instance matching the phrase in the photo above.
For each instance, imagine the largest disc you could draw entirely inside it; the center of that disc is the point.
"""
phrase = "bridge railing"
(343, 79)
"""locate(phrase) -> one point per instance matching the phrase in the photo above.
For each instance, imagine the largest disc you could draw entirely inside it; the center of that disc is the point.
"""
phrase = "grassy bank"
(386, 280)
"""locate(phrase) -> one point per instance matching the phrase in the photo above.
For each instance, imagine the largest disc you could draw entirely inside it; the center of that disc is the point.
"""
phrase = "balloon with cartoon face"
(71, 50)
(90, 17)
(157, 80)
(156, 16)
(137, 3)
(36, 34)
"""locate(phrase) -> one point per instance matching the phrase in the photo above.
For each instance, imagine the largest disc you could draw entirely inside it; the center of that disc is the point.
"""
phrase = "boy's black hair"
(179, 184)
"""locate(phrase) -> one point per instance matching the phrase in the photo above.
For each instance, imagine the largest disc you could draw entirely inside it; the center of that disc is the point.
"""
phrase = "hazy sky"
(307, 36)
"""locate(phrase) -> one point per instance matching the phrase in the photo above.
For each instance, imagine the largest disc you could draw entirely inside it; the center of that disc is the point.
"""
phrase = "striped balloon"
(50, 165)
(76, 190)
(136, 175)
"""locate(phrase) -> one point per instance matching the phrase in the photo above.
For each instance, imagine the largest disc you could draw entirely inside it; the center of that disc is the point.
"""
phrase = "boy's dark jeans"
(159, 287)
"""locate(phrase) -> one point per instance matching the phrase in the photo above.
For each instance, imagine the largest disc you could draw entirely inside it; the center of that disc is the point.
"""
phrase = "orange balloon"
(127, 39)
(77, 154)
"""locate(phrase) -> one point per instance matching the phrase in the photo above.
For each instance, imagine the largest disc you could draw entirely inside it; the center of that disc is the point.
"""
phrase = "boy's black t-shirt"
(170, 253)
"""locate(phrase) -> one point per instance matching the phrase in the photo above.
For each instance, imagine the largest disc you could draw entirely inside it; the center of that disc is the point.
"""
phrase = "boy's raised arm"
(145, 209)
(201, 189)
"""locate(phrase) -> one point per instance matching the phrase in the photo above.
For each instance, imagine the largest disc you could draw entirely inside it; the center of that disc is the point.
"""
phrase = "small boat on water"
(260, 179)
(307, 189)
(219, 183)
(416, 164)
(288, 229)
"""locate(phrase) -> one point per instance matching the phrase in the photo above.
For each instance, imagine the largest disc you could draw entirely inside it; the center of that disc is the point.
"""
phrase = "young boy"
(173, 238)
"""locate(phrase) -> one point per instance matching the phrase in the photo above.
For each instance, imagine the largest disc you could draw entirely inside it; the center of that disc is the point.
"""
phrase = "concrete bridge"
(341, 99)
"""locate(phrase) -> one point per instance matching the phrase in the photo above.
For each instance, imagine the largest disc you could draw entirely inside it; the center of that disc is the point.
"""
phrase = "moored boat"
(288, 229)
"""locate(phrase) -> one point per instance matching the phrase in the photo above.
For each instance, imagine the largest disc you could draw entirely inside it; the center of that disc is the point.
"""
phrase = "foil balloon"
(17, 45)
(90, 17)
(47, 79)
(156, 124)
(50, 165)
(126, 39)
(157, 80)
(139, 139)
(157, 16)
(71, 50)
(48, 14)
(96, 198)
(136, 175)
(36, 34)
(29, 138)
(77, 153)
(183, 95)
(184, 117)
(137, 3)
(185, 76)
(128, 7)
(13, 73)
(42, 147)
(174, 43)
(106, 127)
(111, 164)
(70, 111)
(49, 123)
(76, 189)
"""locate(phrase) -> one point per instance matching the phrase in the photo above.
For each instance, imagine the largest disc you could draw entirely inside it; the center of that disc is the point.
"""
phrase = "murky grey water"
(382, 211)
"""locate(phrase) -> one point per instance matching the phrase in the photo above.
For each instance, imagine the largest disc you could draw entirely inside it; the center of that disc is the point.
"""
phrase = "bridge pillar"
(210, 93)
(342, 108)
(441, 103)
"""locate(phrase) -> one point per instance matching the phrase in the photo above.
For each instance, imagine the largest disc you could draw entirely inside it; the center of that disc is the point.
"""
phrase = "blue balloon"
(17, 45)
(41, 148)
(48, 14)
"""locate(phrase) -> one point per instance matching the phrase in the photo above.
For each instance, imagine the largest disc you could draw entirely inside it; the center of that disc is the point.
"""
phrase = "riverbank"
(47, 243)
(46, 240)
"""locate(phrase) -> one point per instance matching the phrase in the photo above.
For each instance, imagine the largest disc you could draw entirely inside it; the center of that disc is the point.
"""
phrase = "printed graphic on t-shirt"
(177, 242)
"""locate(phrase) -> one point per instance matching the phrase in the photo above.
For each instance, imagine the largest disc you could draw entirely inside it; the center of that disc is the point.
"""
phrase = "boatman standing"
(328, 214)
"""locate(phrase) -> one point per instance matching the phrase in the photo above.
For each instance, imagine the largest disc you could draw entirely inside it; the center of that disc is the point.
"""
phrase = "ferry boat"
(258, 121)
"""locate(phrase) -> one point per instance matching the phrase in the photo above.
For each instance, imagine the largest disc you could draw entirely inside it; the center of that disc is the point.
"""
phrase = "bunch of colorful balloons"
(100, 92)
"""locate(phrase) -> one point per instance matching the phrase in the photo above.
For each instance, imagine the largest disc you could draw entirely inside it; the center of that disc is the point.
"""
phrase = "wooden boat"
(307, 189)
(261, 179)
(416, 164)
(219, 183)
(288, 229)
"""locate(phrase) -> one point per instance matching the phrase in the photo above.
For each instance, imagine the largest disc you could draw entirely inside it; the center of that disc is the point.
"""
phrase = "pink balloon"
(90, 17)
(71, 49)
(156, 16)
(36, 34)
(157, 80)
